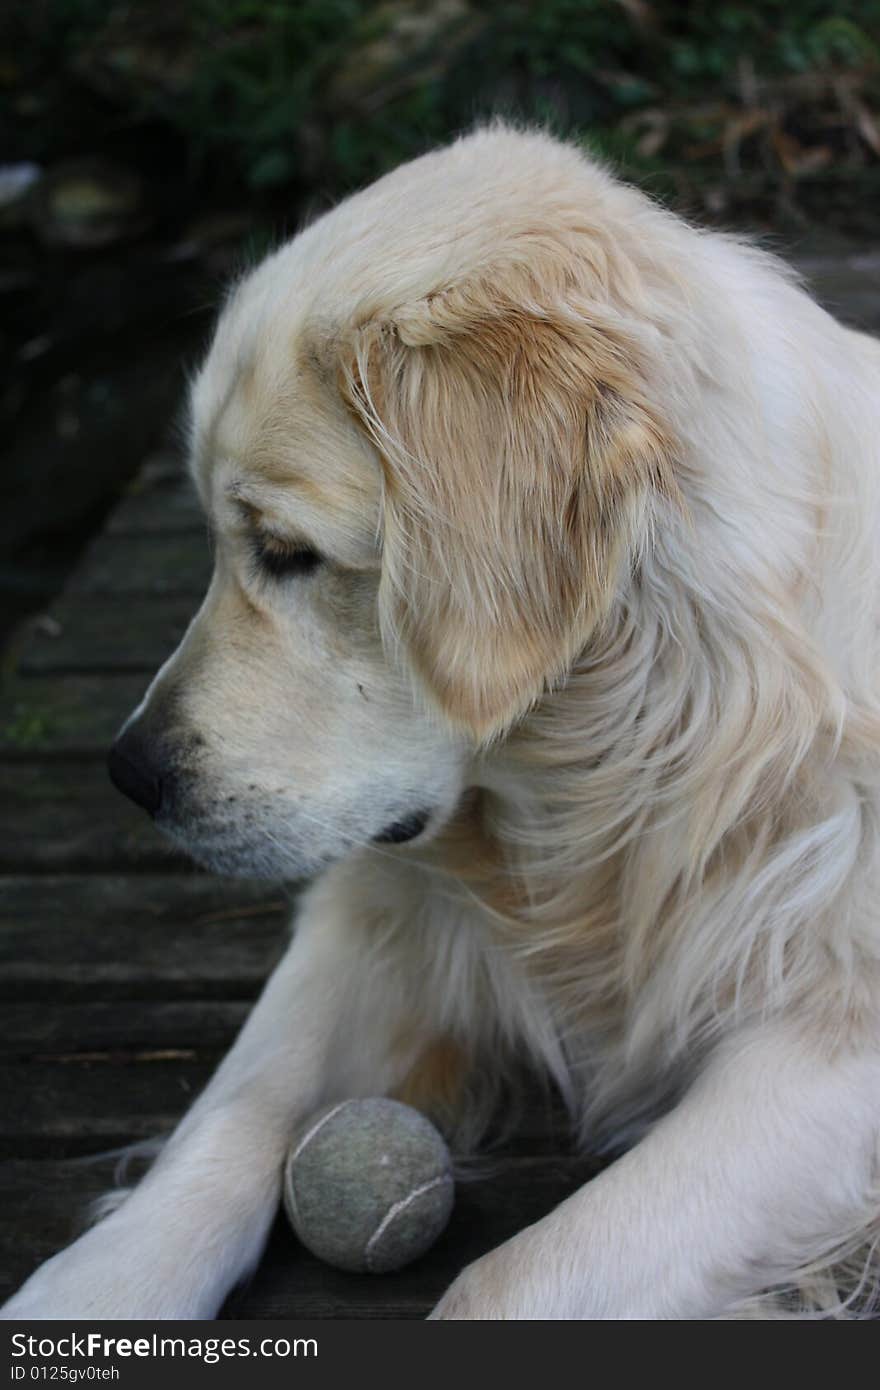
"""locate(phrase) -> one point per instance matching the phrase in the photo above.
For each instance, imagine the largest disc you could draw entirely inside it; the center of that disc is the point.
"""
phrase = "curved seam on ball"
(290, 1194)
(310, 1133)
(396, 1209)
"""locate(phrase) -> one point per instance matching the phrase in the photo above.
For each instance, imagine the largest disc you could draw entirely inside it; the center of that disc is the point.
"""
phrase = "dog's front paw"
(535, 1275)
(464, 1301)
(498, 1287)
(116, 1270)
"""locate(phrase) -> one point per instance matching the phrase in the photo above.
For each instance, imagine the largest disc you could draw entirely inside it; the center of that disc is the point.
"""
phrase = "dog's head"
(425, 443)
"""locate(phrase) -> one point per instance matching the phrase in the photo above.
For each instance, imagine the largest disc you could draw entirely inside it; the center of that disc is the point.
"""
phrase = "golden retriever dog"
(543, 638)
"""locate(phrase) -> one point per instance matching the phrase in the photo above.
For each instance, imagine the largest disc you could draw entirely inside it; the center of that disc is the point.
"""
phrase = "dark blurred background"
(150, 149)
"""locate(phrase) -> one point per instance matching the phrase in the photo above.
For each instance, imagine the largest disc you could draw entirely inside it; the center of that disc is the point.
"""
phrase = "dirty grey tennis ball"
(368, 1185)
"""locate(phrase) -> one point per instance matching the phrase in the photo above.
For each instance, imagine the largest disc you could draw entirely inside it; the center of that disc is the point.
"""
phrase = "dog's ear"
(518, 448)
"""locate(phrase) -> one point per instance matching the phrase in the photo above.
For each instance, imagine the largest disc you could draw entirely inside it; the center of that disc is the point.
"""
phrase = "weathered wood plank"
(57, 816)
(120, 565)
(78, 715)
(847, 286)
(83, 634)
(47, 1201)
(57, 1109)
(109, 937)
(129, 1031)
(162, 499)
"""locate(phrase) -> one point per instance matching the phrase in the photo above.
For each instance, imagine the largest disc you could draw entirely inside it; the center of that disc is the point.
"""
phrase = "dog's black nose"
(134, 771)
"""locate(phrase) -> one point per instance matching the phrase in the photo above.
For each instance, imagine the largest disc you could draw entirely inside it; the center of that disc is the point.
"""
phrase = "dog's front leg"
(198, 1221)
(767, 1163)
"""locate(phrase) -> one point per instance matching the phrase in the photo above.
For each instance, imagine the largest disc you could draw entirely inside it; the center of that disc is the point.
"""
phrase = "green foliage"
(324, 94)
(25, 729)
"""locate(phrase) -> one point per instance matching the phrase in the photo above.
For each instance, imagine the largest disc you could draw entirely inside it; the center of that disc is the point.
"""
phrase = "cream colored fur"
(598, 498)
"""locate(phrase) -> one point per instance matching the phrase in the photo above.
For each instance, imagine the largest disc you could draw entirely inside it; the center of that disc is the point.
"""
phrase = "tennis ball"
(368, 1185)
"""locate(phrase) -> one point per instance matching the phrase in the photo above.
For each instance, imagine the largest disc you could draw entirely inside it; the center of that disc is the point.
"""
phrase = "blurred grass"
(773, 106)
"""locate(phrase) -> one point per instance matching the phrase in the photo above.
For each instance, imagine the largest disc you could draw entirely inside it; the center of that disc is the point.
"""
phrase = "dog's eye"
(283, 561)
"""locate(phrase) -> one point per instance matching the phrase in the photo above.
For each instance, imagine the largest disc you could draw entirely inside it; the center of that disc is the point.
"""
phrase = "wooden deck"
(123, 975)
